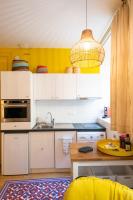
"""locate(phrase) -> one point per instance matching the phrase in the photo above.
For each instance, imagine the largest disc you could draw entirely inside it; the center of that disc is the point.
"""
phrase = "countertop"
(94, 155)
(57, 127)
(83, 127)
(63, 127)
(104, 122)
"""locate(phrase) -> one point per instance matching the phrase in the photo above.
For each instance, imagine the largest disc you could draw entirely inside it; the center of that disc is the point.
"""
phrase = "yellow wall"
(57, 59)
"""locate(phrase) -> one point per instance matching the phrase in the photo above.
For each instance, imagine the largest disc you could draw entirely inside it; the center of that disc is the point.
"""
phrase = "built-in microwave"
(15, 110)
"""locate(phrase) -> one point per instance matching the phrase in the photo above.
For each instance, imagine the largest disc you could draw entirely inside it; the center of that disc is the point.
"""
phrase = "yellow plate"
(112, 147)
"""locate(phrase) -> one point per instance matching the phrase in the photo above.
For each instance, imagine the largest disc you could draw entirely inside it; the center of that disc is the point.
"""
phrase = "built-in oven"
(15, 110)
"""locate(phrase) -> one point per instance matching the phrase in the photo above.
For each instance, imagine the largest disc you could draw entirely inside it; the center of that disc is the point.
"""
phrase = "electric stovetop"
(89, 126)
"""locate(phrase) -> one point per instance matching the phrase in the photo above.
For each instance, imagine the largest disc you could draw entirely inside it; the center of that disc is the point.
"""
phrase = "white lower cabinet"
(14, 153)
(22, 152)
(41, 150)
(62, 144)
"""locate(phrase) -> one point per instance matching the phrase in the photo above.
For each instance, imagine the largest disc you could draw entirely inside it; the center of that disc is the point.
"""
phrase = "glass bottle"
(122, 141)
(127, 143)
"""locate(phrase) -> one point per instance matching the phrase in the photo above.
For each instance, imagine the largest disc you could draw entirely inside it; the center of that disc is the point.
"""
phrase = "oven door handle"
(15, 106)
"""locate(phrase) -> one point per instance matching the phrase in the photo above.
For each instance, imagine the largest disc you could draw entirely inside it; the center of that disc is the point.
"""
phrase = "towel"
(66, 141)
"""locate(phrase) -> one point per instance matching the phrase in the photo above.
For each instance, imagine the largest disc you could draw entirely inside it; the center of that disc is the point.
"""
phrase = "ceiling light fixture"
(87, 52)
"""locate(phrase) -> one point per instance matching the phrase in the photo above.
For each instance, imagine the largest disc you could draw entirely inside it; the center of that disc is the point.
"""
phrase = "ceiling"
(52, 23)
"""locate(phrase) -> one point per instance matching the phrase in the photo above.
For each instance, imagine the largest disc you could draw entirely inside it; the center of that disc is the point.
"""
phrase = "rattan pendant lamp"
(87, 52)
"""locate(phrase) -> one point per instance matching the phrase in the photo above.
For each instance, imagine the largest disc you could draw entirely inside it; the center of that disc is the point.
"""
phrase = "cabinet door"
(88, 85)
(58, 86)
(41, 150)
(69, 86)
(62, 143)
(44, 86)
(65, 86)
(15, 154)
(16, 85)
(54, 86)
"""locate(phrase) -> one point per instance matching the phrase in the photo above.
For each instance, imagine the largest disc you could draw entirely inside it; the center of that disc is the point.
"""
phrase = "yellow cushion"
(92, 188)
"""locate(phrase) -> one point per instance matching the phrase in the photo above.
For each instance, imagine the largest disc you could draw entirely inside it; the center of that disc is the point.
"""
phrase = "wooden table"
(94, 158)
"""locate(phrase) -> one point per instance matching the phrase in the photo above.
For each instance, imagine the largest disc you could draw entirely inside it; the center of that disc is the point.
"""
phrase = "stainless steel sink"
(56, 126)
(43, 126)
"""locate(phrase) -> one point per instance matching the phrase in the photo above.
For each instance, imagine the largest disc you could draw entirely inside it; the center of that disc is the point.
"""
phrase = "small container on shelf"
(42, 69)
(69, 70)
(19, 65)
(76, 69)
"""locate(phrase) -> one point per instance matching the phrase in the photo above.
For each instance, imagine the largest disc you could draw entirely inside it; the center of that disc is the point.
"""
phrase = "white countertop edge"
(104, 122)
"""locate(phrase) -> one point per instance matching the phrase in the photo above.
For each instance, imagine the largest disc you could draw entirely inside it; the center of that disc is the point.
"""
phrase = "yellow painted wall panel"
(57, 59)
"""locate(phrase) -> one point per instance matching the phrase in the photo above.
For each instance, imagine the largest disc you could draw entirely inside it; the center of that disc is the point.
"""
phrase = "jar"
(76, 69)
(42, 69)
(69, 69)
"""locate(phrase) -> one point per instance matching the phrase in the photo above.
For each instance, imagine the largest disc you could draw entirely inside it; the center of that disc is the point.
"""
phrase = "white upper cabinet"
(58, 87)
(69, 86)
(16, 85)
(65, 86)
(43, 86)
(54, 86)
(89, 86)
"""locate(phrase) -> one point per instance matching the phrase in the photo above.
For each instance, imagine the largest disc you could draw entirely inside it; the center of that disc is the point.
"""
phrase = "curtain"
(130, 66)
(122, 69)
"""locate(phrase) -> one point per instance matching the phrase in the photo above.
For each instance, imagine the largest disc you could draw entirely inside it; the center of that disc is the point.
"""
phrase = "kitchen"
(64, 95)
(33, 112)
(43, 113)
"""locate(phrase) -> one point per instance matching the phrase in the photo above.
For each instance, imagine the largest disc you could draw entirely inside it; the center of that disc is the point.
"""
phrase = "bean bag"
(92, 188)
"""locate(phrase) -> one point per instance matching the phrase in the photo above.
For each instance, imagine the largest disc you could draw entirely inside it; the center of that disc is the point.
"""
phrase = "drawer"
(15, 125)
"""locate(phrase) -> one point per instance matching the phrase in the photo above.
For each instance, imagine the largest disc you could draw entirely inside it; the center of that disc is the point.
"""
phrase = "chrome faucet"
(52, 119)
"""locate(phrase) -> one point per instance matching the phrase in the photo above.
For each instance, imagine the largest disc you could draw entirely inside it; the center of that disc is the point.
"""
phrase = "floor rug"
(34, 189)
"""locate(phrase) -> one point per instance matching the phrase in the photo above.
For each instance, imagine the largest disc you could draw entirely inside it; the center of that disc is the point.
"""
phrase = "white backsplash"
(70, 111)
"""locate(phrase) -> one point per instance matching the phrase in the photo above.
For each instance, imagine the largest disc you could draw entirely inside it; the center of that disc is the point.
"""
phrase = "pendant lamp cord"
(86, 14)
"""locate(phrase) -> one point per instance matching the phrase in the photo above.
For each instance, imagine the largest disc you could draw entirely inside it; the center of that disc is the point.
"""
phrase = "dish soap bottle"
(127, 143)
